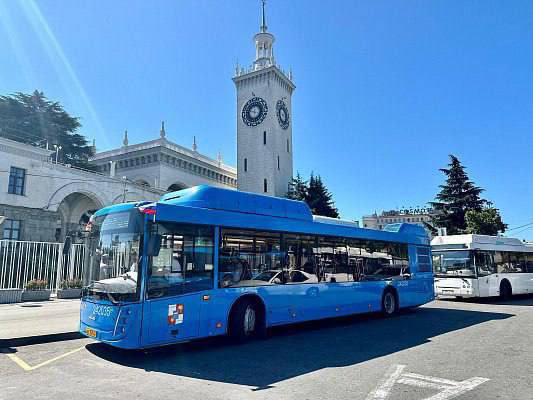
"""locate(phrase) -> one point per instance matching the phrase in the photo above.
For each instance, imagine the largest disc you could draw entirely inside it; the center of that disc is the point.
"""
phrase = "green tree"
(487, 221)
(297, 188)
(457, 196)
(319, 199)
(33, 119)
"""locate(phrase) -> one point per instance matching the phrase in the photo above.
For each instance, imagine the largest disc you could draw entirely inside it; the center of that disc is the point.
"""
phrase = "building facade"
(417, 216)
(264, 120)
(43, 201)
(164, 165)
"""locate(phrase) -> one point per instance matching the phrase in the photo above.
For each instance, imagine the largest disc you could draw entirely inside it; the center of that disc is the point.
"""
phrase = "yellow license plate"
(90, 332)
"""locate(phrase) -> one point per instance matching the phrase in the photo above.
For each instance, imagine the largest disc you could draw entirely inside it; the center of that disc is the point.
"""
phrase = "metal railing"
(21, 262)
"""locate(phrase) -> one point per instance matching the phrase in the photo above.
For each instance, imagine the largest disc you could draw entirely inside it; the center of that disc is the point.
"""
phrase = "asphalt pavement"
(444, 350)
(20, 320)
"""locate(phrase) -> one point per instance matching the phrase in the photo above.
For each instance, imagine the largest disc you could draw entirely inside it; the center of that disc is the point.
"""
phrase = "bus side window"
(484, 263)
(250, 258)
(184, 263)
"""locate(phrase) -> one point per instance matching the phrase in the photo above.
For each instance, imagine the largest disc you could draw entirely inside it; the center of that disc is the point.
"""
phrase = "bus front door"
(171, 319)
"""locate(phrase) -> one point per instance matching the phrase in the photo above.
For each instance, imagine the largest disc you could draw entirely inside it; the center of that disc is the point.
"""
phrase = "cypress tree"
(456, 197)
(319, 199)
(297, 188)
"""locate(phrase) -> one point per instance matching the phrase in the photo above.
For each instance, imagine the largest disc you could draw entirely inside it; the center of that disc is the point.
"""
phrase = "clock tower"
(264, 120)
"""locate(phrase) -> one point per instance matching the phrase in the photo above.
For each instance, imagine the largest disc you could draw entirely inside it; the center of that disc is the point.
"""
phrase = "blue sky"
(385, 90)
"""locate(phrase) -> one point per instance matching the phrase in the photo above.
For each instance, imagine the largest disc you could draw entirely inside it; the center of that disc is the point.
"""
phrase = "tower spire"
(263, 17)
(162, 132)
(125, 140)
(194, 146)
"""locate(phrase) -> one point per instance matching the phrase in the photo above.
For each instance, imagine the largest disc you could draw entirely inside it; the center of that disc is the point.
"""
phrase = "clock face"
(254, 111)
(283, 114)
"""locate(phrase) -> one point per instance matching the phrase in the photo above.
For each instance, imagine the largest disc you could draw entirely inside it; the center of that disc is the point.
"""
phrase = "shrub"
(37, 284)
(71, 284)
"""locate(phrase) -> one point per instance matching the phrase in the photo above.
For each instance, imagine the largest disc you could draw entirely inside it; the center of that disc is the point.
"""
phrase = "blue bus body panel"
(117, 325)
(223, 207)
(206, 313)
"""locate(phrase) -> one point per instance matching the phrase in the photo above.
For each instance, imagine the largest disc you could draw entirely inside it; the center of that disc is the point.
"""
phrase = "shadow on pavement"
(31, 340)
(516, 300)
(299, 349)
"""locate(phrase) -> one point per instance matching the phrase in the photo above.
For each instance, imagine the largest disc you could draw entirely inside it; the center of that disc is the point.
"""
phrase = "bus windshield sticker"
(116, 221)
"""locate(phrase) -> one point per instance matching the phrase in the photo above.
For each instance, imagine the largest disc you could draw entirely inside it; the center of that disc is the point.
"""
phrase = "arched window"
(265, 185)
(278, 163)
(264, 137)
(245, 165)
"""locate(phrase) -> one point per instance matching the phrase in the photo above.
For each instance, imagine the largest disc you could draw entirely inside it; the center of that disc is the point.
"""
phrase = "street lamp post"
(57, 151)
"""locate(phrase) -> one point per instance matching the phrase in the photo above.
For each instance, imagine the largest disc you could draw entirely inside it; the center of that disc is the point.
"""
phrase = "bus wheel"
(506, 291)
(389, 303)
(245, 321)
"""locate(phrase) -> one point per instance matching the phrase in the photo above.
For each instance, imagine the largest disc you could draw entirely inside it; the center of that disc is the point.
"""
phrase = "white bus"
(481, 266)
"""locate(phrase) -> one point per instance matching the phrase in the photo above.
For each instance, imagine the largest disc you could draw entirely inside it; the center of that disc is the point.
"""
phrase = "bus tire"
(247, 320)
(389, 302)
(506, 290)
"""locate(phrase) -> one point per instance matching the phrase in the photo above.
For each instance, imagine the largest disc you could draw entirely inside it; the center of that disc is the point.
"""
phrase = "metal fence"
(21, 262)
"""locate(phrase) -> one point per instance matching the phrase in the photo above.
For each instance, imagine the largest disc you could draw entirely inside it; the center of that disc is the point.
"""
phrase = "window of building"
(264, 137)
(265, 185)
(278, 163)
(250, 258)
(184, 263)
(11, 229)
(149, 159)
(17, 181)
(288, 150)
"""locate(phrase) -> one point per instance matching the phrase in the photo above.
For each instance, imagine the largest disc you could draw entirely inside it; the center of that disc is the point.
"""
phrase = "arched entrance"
(176, 186)
(142, 182)
(74, 212)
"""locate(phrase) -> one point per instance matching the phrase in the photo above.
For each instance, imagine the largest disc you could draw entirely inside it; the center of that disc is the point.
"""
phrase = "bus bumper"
(116, 325)
(456, 287)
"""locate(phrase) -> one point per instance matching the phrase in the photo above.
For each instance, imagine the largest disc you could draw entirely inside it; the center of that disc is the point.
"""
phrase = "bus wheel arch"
(246, 308)
(390, 303)
(506, 290)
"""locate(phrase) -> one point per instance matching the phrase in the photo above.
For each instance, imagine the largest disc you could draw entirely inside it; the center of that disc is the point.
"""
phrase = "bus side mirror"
(66, 245)
(154, 245)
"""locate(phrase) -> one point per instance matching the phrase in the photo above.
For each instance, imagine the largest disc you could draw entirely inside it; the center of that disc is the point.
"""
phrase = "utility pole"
(124, 189)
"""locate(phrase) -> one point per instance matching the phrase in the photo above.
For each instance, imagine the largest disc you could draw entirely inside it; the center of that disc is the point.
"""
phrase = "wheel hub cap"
(249, 320)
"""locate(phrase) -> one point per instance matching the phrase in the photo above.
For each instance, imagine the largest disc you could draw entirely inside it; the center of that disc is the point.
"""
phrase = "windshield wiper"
(126, 277)
(105, 291)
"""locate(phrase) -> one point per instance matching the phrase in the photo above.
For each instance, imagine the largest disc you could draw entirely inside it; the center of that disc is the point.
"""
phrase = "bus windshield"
(114, 257)
(456, 263)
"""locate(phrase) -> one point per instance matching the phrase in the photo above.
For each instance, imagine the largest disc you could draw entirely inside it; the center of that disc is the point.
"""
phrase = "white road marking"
(385, 385)
(448, 389)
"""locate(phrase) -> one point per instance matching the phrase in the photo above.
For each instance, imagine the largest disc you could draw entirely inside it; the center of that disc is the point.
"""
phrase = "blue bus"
(206, 261)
